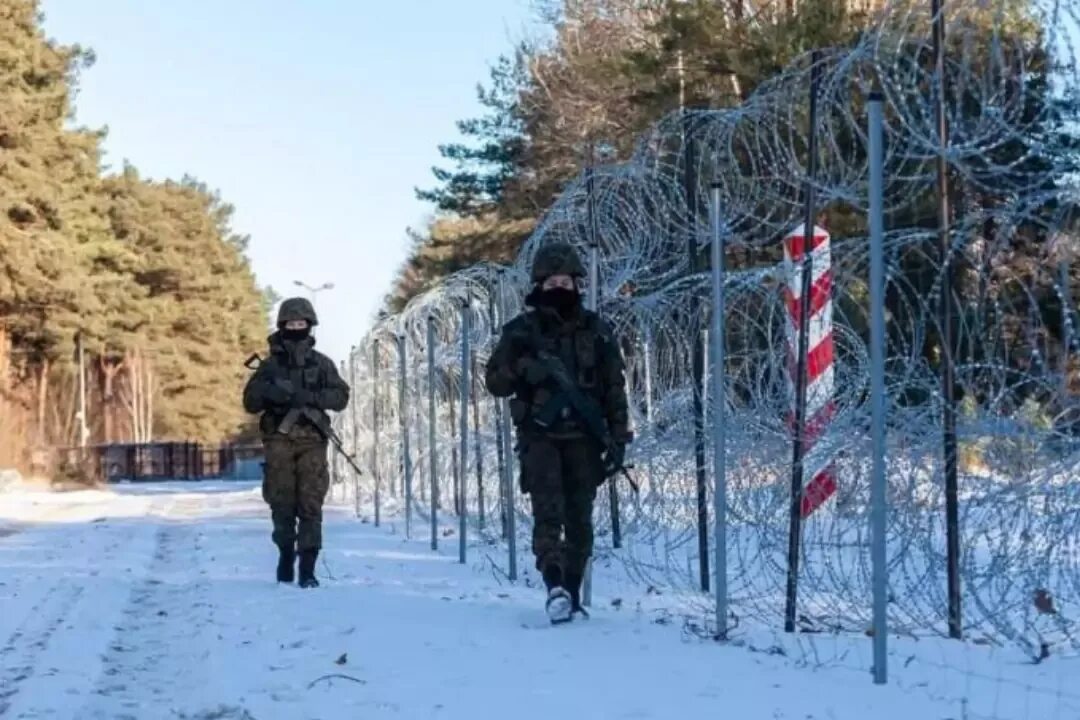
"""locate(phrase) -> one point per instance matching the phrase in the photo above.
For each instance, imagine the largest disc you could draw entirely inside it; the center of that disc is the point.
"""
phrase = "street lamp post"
(314, 290)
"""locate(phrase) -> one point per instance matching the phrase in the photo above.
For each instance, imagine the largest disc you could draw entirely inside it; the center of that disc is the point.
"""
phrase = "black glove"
(301, 399)
(532, 371)
(614, 458)
(276, 394)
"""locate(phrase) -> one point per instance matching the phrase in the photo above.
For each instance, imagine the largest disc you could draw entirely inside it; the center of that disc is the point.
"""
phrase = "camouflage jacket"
(299, 366)
(588, 350)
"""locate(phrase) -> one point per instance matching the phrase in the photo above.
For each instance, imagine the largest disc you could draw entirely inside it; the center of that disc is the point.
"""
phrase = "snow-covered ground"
(158, 601)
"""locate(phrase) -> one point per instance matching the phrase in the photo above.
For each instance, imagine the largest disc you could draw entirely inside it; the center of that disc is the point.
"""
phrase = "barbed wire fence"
(440, 449)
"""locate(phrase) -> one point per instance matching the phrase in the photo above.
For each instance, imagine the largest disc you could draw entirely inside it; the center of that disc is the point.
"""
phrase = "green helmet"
(296, 308)
(556, 259)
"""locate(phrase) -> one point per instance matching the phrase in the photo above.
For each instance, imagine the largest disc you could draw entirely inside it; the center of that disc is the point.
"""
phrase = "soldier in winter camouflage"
(562, 462)
(293, 388)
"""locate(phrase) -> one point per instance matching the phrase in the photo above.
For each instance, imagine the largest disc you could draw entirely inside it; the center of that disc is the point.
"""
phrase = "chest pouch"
(585, 345)
(311, 377)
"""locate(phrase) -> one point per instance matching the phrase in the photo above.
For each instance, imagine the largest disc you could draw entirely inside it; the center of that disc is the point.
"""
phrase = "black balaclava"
(564, 302)
(295, 335)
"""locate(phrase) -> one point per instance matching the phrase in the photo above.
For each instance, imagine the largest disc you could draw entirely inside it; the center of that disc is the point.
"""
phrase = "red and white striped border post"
(820, 377)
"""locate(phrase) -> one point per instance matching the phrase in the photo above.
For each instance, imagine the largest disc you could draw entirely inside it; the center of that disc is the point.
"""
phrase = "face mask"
(560, 299)
(295, 335)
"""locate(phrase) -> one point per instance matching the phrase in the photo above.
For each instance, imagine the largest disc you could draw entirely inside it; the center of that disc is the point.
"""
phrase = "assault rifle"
(294, 415)
(586, 408)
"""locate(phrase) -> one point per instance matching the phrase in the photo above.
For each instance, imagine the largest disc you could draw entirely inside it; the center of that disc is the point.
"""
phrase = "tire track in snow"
(28, 585)
(23, 654)
(30, 640)
(158, 656)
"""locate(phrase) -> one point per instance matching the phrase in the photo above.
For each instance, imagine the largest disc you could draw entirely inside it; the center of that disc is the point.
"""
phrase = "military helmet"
(556, 259)
(296, 308)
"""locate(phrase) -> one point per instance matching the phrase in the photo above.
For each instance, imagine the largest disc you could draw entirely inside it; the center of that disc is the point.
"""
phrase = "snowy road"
(159, 602)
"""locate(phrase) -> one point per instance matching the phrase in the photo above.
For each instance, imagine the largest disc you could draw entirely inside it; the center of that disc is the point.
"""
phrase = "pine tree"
(490, 158)
(206, 312)
(149, 274)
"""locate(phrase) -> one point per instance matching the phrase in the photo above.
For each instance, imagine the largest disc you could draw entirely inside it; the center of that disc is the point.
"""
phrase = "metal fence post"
(478, 449)
(594, 305)
(877, 386)
(495, 300)
(719, 417)
(354, 423)
(403, 411)
(375, 390)
(592, 302)
(948, 379)
(432, 446)
(506, 479)
(464, 430)
(451, 402)
(799, 446)
(690, 189)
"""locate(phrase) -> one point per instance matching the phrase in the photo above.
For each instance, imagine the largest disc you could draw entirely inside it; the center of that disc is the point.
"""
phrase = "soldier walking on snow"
(293, 388)
(562, 365)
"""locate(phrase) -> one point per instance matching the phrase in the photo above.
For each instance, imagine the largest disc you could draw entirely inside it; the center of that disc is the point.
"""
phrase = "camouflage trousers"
(561, 477)
(295, 484)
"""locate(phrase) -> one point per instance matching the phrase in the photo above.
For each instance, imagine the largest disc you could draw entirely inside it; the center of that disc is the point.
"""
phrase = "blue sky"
(315, 119)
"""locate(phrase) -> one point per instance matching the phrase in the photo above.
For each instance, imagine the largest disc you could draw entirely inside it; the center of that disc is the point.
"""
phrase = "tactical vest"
(307, 377)
(581, 352)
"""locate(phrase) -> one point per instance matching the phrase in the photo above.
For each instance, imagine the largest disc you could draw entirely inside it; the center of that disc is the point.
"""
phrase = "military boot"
(285, 564)
(307, 568)
(558, 600)
(573, 586)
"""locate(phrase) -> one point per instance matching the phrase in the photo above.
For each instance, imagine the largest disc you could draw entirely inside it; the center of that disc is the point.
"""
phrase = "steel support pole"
(948, 380)
(506, 478)
(376, 392)
(463, 416)
(798, 446)
(433, 455)
(878, 498)
(354, 427)
(690, 189)
(719, 416)
(403, 412)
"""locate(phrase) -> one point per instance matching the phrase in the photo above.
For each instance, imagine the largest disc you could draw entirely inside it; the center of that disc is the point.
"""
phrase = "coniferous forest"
(153, 279)
(587, 89)
(602, 73)
(146, 275)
